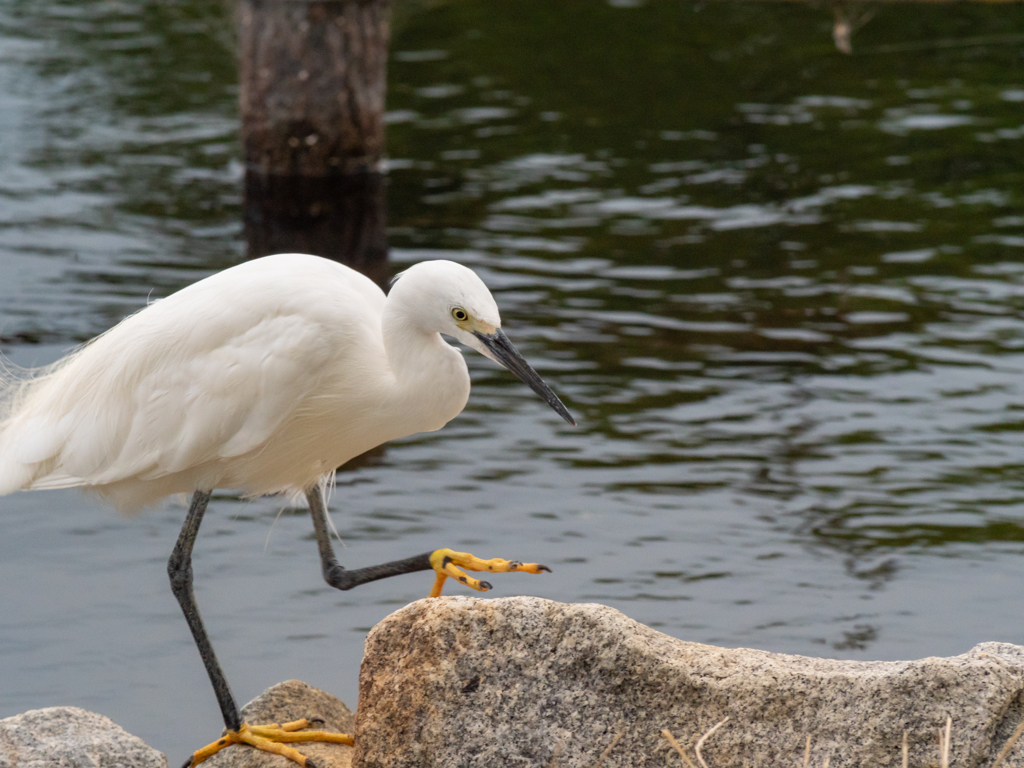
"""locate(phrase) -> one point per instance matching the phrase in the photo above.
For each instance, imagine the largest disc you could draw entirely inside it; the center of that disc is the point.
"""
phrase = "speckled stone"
(513, 682)
(282, 703)
(69, 737)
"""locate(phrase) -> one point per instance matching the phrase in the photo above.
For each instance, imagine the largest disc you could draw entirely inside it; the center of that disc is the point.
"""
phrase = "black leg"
(337, 576)
(179, 568)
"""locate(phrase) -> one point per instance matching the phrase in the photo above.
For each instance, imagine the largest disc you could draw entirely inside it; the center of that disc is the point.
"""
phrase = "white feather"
(263, 378)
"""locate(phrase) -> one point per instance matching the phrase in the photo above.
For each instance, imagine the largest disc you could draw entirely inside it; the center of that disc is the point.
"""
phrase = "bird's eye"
(460, 314)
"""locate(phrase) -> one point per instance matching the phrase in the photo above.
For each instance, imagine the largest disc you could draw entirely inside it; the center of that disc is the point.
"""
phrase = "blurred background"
(781, 288)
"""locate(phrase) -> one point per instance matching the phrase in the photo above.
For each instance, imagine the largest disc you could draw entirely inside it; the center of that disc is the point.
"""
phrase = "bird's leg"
(179, 568)
(444, 562)
(265, 737)
(337, 576)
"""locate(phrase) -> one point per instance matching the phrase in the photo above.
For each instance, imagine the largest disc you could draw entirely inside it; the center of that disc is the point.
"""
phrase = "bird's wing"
(192, 379)
(168, 413)
(221, 402)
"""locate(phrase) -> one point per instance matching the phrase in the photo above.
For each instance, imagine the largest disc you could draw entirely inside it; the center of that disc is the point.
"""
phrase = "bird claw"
(447, 563)
(271, 738)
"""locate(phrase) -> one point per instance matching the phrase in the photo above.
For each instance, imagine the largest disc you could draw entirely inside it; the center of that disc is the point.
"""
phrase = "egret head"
(451, 299)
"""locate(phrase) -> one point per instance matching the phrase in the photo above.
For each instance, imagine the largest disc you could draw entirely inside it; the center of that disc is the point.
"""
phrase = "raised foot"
(271, 738)
(447, 563)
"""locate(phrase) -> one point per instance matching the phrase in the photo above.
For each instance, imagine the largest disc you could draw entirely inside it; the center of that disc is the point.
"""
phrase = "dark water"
(783, 290)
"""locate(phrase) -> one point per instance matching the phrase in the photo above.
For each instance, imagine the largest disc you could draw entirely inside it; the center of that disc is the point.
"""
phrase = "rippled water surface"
(782, 289)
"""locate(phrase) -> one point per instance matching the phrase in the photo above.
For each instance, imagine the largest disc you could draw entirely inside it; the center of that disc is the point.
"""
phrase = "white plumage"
(262, 378)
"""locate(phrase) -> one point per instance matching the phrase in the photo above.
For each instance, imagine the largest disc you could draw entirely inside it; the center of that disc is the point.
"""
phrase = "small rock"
(525, 682)
(282, 703)
(70, 737)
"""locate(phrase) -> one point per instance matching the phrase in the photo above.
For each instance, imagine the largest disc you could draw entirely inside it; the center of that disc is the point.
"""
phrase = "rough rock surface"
(282, 703)
(70, 737)
(460, 681)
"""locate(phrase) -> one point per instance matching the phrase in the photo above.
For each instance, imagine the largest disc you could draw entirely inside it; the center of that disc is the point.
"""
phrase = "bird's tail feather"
(18, 389)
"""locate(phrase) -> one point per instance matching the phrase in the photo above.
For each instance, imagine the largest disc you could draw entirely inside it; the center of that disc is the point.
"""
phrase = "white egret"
(262, 378)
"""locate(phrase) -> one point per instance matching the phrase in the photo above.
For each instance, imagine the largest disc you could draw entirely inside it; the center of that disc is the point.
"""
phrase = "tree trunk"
(313, 82)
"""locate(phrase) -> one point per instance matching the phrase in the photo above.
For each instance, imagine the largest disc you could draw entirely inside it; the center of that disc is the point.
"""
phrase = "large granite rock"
(282, 703)
(461, 681)
(70, 737)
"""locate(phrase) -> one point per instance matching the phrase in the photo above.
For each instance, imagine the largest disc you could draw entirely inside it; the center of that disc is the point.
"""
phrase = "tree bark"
(312, 85)
(313, 79)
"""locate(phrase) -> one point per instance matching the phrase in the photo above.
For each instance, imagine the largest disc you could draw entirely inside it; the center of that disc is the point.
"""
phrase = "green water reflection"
(760, 263)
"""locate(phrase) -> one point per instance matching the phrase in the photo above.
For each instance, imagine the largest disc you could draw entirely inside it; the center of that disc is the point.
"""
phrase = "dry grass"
(601, 758)
(1008, 746)
(945, 742)
(667, 735)
(702, 739)
(609, 748)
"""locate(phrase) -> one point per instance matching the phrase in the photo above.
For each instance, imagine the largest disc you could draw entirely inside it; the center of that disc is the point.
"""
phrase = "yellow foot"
(272, 738)
(446, 563)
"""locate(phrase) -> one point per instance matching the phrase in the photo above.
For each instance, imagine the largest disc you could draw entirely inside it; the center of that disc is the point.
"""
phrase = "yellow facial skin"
(470, 324)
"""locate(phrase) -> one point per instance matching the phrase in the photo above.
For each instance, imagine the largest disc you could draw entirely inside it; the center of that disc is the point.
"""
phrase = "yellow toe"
(447, 564)
(271, 738)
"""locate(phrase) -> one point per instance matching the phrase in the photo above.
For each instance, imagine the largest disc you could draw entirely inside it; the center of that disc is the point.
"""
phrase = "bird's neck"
(430, 375)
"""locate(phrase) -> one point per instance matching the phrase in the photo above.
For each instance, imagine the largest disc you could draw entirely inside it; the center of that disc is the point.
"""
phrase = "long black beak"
(509, 356)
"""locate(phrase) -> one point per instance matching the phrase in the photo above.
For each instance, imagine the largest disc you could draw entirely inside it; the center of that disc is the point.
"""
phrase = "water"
(782, 289)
